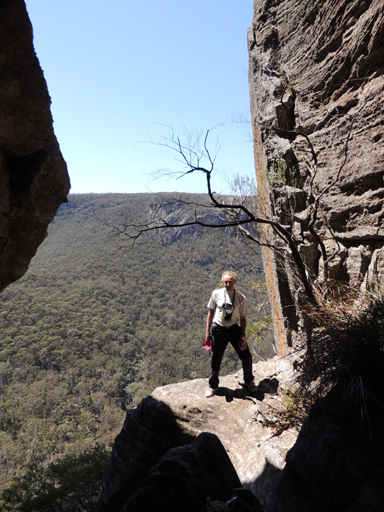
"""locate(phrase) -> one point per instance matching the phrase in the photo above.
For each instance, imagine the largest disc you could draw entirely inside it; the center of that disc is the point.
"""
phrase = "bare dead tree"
(194, 155)
(234, 212)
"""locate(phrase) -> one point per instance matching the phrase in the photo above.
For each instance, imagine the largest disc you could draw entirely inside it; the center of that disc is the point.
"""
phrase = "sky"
(123, 74)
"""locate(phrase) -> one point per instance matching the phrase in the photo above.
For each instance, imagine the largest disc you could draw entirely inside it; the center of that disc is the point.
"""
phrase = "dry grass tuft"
(347, 346)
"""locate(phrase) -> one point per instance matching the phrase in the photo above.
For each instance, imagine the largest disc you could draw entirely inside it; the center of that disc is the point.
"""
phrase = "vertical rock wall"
(317, 100)
(33, 174)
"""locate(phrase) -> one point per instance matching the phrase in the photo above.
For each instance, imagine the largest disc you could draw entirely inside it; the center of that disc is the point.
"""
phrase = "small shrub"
(276, 176)
(294, 408)
(297, 403)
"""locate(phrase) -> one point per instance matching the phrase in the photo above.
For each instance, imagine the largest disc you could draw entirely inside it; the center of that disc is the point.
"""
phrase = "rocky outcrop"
(316, 84)
(190, 217)
(157, 466)
(33, 174)
(177, 444)
(239, 420)
(178, 448)
(182, 215)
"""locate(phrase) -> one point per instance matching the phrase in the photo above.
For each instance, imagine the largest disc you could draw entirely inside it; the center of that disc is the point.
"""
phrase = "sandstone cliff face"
(317, 101)
(33, 174)
(180, 214)
(189, 218)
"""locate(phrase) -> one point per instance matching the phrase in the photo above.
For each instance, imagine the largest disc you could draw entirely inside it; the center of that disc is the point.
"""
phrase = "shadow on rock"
(230, 394)
(185, 477)
(269, 386)
(265, 485)
(156, 466)
(337, 462)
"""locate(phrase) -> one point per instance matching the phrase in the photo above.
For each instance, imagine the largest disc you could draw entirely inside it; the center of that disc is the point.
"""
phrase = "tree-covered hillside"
(93, 327)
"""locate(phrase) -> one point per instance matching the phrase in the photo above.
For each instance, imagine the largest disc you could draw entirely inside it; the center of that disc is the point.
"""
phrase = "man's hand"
(242, 342)
(243, 327)
(207, 343)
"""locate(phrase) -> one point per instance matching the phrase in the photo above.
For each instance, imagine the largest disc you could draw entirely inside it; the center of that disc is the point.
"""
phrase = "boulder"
(33, 174)
(185, 477)
(147, 434)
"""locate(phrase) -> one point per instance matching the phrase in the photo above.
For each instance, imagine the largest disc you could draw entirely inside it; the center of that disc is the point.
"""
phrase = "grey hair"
(229, 273)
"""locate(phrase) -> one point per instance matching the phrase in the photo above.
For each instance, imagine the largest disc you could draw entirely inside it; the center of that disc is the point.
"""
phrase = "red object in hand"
(207, 343)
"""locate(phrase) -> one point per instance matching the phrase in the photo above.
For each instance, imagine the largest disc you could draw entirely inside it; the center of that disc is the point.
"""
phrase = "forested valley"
(95, 326)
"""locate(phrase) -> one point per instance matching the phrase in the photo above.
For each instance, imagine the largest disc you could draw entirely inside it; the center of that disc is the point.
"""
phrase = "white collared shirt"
(220, 297)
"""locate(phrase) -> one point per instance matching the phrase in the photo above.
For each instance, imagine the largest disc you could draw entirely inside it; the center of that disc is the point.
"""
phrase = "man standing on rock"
(226, 323)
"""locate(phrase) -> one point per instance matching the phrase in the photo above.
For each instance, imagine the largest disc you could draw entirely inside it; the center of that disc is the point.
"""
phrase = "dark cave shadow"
(269, 386)
(149, 432)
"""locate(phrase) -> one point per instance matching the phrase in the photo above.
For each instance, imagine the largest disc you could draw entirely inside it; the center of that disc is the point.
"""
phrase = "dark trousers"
(220, 339)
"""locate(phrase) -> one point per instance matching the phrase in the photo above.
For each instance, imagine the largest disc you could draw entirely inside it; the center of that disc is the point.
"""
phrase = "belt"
(223, 327)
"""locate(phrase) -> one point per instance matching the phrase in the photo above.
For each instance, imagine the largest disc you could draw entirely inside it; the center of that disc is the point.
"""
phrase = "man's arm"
(243, 325)
(211, 312)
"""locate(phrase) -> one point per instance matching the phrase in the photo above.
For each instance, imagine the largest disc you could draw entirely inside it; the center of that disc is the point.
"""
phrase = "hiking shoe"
(210, 392)
(252, 388)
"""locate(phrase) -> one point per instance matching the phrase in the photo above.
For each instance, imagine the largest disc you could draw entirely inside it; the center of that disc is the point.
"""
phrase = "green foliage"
(93, 327)
(259, 333)
(289, 410)
(297, 403)
(276, 176)
(72, 484)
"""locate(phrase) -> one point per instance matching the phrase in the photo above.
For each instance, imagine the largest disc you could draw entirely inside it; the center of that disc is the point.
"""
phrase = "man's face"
(229, 283)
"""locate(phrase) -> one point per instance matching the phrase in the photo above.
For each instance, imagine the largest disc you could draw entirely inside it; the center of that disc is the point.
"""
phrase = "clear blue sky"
(119, 70)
